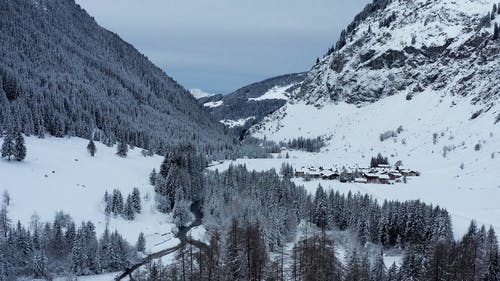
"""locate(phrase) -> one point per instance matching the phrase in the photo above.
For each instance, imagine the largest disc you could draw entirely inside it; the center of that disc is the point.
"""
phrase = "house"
(384, 179)
(394, 175)
(371, 178)
(384, 166)
(360, 180)
(329, 175)
(300, 172)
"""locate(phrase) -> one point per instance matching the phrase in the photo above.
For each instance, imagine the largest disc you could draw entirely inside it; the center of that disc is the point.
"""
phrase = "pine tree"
(492, 258)
(128, 209)
(136, 200)
(140, 246)
(8, 146)
(117, 202)
(39, 265)
(495, 32)
(122, 149)
(152, 177)
(20, 148)
(378, 272)
(91, 148)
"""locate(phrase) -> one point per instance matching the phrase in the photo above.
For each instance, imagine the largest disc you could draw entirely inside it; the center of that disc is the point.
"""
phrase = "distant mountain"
(62, 74)
(416, 46)
(248, 105)
(198, 93)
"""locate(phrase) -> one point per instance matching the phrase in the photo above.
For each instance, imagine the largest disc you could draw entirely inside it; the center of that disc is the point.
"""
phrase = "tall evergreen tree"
(122, 149)
(20, 147)
(91, 148)
(140, 246)
(8, 146)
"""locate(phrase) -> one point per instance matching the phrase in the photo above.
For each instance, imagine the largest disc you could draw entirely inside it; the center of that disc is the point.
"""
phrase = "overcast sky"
(221, 45)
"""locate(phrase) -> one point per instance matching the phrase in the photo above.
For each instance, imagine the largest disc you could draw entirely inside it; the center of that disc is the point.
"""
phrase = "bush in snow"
(122, 149)
(477, 147)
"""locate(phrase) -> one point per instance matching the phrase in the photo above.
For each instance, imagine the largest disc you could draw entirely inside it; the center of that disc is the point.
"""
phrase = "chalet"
(371, 178)
(360, 180)
(394, 175)
(329, 175)
(384, 166)
(300, 172)
(384, 179)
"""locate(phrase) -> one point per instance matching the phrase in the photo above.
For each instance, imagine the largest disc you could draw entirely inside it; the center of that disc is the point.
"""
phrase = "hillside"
(444, 99)
(60, 175)
(62, 74)
(248, 105)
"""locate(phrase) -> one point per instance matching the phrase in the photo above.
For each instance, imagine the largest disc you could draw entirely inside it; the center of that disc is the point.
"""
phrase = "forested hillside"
(62, 74)
(250, 104)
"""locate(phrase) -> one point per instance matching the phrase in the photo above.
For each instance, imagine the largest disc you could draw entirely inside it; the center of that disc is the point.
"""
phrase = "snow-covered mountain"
(199, 93)
(248, 105)
(430, 68)
(412, 47)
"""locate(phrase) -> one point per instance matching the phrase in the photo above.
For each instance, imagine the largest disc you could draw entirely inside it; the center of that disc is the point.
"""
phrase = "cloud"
(220, 45)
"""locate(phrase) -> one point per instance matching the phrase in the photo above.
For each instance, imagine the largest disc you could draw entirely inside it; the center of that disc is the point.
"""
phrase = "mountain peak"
(410, 46)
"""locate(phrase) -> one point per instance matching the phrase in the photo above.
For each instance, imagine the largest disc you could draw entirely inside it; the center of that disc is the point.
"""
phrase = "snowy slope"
(59, 174)
(277, 92)
(198, 93)
(353, 138)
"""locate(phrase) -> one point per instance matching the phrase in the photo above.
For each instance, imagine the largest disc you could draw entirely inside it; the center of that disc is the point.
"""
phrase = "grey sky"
(221, 45)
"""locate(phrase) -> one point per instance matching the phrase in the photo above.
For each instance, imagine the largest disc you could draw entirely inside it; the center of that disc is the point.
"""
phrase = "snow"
(198, 93)
(352, 134)
(59, 174)
(213, 104)
(199, 233)
(236, 123)
(277, 92)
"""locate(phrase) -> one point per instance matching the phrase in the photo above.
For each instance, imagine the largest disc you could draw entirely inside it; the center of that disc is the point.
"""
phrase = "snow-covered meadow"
(60, 175)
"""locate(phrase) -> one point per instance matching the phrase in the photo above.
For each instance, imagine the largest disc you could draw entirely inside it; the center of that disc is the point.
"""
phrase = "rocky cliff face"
(412, 46)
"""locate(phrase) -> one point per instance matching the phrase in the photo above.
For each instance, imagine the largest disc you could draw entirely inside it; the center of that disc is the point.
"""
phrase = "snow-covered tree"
(20, 147)
(136, 200)
(91, 148)
(122, 149)
(128, 209)
(140, 246)
(8, 146)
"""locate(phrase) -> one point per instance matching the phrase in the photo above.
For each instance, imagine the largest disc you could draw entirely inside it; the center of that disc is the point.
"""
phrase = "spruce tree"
(140, 246)
(136, 200)
(8, 146)
(495, 32)
(122, 149)
(152, 177)
(128, 209)
(91, 148)
(20, 147)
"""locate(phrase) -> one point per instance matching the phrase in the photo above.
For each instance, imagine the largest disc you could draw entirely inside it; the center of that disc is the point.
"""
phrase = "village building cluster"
(382, 174)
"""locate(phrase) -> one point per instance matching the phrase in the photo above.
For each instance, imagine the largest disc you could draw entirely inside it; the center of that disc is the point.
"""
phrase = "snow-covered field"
(235, 123)
(278, 92)
(214, 103)
(60, 175)
(353, 132)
